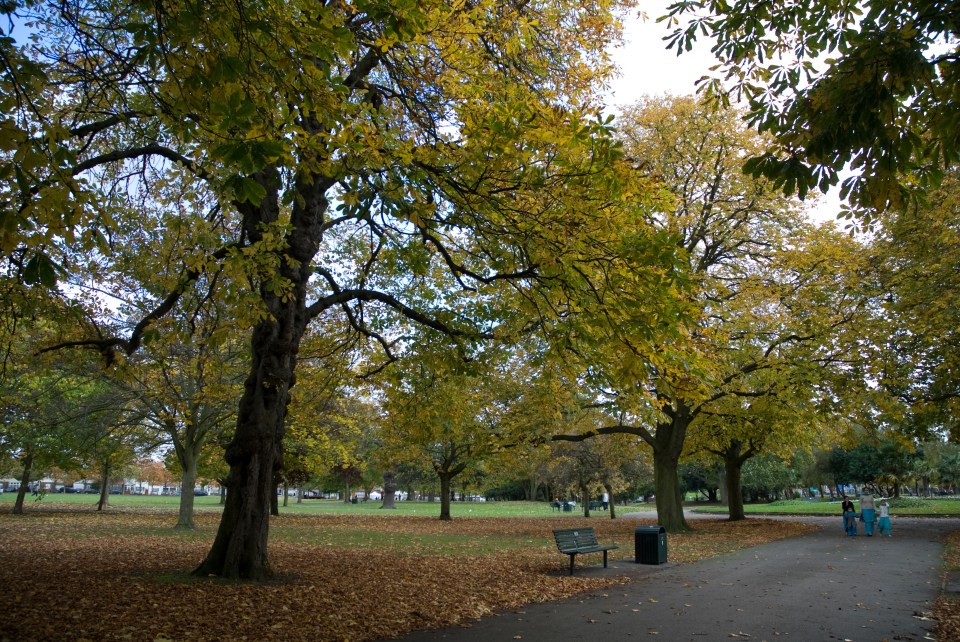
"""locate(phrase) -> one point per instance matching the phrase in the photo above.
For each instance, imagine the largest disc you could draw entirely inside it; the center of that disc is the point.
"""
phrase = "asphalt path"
(816, 587)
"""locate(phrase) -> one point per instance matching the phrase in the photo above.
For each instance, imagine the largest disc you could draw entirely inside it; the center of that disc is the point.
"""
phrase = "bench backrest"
(574, 538)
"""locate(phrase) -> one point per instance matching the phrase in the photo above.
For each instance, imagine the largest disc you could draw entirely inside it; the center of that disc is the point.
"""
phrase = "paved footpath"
(817, 587)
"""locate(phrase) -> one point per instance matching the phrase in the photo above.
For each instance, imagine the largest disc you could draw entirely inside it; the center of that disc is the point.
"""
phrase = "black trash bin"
(651, 545)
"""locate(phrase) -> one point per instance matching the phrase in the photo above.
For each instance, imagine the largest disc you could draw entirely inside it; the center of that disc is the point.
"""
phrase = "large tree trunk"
(734, 457)
(445, 479)
(104, 486)
(667, 448)
(24, 484)
(240, 547)
(669, 499)
(734, 474)
(389, 490)
(188, 481)
(255, 453)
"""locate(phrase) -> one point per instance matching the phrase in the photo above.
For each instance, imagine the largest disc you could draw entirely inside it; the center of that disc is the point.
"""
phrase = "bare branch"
(617, 429)
(345, 296)
(106, 346)
(137, 152)
(91, 129)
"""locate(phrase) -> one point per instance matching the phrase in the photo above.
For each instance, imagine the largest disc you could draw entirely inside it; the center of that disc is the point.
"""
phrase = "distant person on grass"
(849, 517)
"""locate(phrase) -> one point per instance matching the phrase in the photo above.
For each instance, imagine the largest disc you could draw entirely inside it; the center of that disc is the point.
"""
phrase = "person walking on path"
(868, 513)
(849, 517)
(884, 522)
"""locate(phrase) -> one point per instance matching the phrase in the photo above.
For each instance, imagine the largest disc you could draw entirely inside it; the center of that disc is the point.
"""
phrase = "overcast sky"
(648, 68)
(646, 65)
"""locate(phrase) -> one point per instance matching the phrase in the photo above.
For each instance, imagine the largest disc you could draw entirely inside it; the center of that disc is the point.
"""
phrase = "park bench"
(572, 541)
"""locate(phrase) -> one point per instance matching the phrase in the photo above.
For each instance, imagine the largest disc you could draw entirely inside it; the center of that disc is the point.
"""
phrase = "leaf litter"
(125, 575)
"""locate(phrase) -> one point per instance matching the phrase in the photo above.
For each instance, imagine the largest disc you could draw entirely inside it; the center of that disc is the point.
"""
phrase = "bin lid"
(651, 529)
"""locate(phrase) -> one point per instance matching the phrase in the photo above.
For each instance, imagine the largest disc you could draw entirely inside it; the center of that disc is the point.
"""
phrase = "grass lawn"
(902, 506)
(328, 506)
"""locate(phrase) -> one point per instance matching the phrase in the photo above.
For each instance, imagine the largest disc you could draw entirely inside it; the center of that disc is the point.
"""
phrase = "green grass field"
(326, 506)
(903, 506)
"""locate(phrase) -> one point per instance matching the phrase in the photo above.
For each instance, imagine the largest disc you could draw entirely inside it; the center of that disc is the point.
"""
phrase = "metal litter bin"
(650, 545)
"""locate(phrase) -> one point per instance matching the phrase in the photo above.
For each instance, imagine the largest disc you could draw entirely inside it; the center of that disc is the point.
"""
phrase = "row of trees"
(431, 236)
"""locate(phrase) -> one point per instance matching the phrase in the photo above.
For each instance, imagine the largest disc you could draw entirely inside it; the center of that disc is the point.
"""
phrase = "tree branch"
(91, 129)
(137, 152)
(106, 346)
(618, 429)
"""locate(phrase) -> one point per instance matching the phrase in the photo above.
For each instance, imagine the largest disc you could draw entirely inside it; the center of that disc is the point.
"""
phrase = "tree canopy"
(442, 164)
(915, 256)
(871, 86)
(766, 300)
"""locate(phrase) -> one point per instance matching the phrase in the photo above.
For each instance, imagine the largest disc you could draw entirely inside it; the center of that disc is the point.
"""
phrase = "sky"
(648, 68)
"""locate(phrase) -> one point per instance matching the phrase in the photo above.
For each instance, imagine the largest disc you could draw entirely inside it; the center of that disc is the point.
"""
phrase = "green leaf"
(246, 190)
(40, 270)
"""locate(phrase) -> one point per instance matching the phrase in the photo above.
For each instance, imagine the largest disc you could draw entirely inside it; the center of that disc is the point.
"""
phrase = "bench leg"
(571, 563)
(604, 559)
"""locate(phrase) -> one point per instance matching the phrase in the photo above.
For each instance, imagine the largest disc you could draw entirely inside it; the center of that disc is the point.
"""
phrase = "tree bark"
(669, 499)
(188, 480)
(389, 490)
(24, 483)
(667, 447)
(255, 453)
(445, 478)
(104, 486)
(734, 474)
(240, 548)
